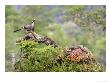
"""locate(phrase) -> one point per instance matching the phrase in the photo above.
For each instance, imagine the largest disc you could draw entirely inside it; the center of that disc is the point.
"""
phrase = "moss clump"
(40, 57)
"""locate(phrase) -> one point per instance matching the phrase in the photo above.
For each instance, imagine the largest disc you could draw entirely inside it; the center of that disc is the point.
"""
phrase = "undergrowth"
(42, 58)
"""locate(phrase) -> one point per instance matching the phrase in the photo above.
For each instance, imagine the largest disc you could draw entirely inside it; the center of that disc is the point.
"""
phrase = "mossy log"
(38, 38)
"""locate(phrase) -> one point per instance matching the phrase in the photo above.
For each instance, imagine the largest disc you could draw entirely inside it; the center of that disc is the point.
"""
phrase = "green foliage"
(74, 9)
(90, 21)
(9, 10)
(39, 57)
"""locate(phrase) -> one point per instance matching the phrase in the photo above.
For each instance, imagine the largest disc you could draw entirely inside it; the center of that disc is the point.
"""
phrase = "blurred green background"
(68, 25)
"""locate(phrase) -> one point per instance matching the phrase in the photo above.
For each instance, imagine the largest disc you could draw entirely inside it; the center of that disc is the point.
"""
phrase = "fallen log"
(38, 38)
